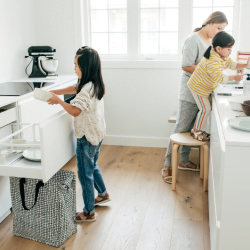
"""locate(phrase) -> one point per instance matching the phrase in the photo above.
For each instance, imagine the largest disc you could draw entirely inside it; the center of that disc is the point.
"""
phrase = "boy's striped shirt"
(209, 73)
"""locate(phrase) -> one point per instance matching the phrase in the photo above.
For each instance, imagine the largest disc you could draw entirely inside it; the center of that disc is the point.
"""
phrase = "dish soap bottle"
(246, 86)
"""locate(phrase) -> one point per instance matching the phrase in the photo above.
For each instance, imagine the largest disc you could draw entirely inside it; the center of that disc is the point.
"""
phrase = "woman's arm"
(189, 69)
(68, 90)
(72, 110)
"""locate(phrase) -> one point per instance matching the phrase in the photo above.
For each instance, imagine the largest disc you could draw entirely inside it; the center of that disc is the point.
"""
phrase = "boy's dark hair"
(222, 39)
(90, 65)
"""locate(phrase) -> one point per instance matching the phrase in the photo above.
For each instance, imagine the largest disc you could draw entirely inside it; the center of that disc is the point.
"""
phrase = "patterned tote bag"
(44, 212)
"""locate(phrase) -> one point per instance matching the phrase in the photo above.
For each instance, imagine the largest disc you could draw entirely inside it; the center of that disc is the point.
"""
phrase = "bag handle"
(38, 185)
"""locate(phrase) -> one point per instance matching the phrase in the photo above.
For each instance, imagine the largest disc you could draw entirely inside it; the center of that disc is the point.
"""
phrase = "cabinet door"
(216, 164)
(58, 143)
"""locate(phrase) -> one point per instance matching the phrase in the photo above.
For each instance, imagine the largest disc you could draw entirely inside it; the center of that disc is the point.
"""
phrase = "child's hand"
(54, 91)
(238, 78)
(240, 71)
(53, 100)
(248, 62)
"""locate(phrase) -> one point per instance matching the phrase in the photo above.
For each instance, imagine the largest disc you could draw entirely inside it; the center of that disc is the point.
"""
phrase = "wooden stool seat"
(180, 139)
(186, 139)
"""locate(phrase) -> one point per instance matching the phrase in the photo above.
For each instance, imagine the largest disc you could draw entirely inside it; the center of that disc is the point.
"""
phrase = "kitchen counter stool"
(180, 139)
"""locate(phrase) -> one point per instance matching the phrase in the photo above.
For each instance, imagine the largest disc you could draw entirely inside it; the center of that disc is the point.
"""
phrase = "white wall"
(55, 28)
(138, 103)
(17, 33)
(244, 34)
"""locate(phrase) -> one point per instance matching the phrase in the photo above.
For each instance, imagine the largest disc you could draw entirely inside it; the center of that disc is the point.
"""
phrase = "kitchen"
(144, 126)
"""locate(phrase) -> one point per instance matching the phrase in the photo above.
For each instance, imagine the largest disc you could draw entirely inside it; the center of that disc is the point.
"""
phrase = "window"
(148, 29)
(108, 30)
(202, 8)
(159, 27)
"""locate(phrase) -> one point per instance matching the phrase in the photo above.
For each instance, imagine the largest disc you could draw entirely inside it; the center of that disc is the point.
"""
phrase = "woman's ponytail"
(207, 52)
(197, 29)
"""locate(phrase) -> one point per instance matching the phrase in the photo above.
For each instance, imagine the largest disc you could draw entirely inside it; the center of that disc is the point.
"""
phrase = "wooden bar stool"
(180, 139)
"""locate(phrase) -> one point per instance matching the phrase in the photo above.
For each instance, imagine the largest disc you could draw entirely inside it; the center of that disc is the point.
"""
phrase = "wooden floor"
(144, 213)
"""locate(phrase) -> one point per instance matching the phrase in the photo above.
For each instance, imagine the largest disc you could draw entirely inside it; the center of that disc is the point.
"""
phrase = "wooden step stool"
(180, 139)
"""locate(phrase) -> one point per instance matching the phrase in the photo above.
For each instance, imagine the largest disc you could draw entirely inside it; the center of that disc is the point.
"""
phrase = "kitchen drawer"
(32, 110)
(7, 115)
(56, 141)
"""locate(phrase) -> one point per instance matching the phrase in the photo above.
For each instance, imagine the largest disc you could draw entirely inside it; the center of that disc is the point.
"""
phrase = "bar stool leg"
(201, 162)
(174, 164)
(205, 180)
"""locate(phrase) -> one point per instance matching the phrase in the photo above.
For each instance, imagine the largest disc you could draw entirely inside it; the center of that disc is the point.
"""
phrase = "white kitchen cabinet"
(56, 141)
(228, 181)
(5, 198)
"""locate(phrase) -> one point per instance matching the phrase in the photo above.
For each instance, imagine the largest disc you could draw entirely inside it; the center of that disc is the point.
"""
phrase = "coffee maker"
(44, 65)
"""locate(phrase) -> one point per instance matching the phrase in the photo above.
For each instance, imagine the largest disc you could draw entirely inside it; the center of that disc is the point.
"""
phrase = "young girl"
(207, 75)
(90, 127)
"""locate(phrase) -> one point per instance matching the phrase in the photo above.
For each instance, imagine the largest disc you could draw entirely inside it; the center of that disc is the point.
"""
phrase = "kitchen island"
(229, 172)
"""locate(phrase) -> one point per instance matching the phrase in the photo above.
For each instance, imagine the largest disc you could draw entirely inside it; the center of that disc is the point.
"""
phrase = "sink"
(241, 123)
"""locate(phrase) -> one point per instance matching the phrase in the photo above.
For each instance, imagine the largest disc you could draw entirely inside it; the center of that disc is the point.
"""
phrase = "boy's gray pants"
(185, 119)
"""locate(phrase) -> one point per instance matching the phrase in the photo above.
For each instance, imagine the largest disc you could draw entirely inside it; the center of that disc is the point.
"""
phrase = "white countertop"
(231, 136)
(5, 100)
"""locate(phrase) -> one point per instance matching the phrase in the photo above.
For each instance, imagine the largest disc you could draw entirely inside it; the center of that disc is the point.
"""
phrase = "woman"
(193, 50)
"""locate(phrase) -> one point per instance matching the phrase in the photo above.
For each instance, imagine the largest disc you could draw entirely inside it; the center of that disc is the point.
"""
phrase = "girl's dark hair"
(89, 63)
(222, 39)
(215, 17)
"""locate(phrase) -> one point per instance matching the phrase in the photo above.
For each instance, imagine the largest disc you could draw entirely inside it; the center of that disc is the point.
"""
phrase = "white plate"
(33, 154)
(241, 123)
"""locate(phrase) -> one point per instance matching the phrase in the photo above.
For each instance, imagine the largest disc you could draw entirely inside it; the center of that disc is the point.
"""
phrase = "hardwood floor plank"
(206, 231)
(187, 235)
(189, 194)
(140, 190)
(157, 227)
(125, 229)
(6, 230)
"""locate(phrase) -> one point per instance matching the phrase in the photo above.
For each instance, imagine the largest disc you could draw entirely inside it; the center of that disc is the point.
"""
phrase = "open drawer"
(7, 115)
(57, 145)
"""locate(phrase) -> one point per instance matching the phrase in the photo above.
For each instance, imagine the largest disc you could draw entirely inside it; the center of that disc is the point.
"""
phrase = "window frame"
(185, 23)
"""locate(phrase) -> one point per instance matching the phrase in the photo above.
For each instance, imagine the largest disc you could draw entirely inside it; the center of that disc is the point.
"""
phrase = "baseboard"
(5, 215)
(157, 142)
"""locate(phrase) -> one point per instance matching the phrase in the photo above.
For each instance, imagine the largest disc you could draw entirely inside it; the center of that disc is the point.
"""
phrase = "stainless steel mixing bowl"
(49, 65)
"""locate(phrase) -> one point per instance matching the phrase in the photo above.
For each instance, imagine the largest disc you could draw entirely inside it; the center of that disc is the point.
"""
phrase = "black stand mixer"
(43, 63)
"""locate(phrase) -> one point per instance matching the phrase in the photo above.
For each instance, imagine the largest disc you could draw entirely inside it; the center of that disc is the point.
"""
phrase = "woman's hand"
(54, 99)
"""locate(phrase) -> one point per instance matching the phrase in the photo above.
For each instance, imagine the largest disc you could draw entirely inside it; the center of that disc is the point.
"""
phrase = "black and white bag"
(44, 212)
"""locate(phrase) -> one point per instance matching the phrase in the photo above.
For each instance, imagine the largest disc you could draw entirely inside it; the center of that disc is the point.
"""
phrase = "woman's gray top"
(192, 52)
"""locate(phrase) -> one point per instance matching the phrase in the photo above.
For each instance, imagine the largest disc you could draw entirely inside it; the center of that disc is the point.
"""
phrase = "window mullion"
(133, 28)
(185, 21)
(86, 38)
